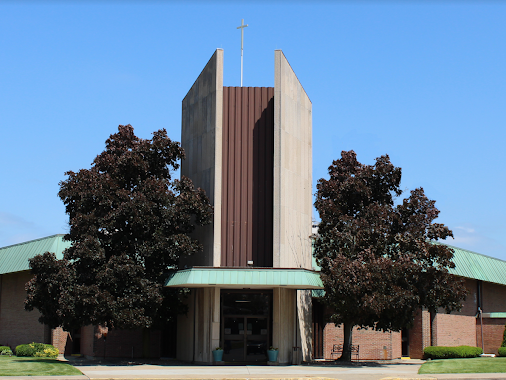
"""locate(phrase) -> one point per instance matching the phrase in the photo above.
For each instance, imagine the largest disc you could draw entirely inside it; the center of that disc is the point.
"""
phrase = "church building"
(253, 286)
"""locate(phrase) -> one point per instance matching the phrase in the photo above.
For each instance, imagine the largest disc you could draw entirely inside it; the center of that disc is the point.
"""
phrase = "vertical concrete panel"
(284, 323)
(185, 331)
(206, 309)
(201, 329)
(304, 318)
(201, 137)
(292, 203)
(215, 333)
(292, 169)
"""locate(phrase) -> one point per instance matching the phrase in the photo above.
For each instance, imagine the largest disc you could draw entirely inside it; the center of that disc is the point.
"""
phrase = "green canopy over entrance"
(202, 277)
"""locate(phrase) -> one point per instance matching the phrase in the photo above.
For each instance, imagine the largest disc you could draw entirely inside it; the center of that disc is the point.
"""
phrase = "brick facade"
(87, 340)
(118, 344)
(145, 343)
(419, 335)
(374, 345)
(59, 339)
(454, 330)
(494, 298)
(493, 329)
(18, 326)
(458, 328)
(494, 301)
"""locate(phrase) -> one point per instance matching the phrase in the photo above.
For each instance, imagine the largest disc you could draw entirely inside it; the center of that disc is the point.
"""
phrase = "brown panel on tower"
(247, 192)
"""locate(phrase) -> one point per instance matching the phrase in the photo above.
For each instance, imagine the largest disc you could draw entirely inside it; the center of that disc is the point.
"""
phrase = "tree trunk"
(432, 328)
(346, 355)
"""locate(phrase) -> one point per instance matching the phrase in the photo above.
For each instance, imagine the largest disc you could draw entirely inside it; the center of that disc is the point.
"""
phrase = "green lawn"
(471, 365)
(23, 366)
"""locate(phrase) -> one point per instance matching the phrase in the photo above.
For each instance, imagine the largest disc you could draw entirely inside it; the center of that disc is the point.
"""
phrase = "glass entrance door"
(233, 339)
(256, 339)
(245, 327)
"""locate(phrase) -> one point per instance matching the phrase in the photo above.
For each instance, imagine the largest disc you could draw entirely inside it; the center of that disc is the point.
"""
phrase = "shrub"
(502, 351)
(40, 350)
(25, 350)
(439, 352)
(48, 352)
(5, 350)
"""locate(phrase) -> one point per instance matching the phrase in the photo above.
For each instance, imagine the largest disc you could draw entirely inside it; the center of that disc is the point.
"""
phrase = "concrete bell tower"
(250, 149)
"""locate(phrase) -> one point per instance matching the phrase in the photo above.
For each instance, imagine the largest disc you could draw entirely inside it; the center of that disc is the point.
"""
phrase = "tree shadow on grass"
(121, 362)
(39, 360)
(358, 364)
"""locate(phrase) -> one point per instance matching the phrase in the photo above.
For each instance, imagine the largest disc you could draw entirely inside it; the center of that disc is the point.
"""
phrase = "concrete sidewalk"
(117, 370)
(150, 371)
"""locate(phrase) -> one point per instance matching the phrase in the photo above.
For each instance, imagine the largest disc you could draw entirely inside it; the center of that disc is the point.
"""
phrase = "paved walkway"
(405, 369)
(369, 371)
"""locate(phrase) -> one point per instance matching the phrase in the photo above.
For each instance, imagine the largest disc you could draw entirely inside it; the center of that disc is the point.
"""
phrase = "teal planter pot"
(218, 355)
(272, 355)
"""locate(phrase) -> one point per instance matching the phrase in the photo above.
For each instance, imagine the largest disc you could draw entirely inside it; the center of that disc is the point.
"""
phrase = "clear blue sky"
(424, 82)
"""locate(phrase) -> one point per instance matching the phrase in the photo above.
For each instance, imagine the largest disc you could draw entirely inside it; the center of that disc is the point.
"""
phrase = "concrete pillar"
(283, 323)
(186, 330)
(199, 330)
(215, 334)
(291, 325)
(304, 319)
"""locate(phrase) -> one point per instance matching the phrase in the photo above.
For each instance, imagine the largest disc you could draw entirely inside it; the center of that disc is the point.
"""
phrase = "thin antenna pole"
(242, 42)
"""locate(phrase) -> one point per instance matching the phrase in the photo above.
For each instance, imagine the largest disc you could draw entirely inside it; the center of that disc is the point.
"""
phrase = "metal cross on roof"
(242, 41)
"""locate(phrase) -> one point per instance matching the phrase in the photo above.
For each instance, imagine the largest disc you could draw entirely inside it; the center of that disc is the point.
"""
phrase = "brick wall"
(127, 343)
(87, 340)
(458, 328)
(17, 326)
(470, 305)
(454, 330)
(419, 334)
(493, 329)
(396, 345)
(494, 301)
(374, 345)
(494, 298)
(59, 339)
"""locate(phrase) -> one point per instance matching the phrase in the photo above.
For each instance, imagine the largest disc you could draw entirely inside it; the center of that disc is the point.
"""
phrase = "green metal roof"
(477, 266)
(201, 277)
(14, 258)
(471, 265)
